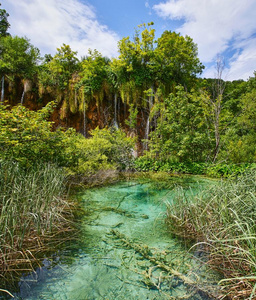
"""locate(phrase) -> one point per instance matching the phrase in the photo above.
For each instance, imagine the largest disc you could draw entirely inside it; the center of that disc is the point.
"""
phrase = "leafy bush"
(106, 149)
(228, 170)
(27, 137)
(145, 163)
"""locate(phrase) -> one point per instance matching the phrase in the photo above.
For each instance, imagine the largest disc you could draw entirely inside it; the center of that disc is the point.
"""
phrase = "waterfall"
(75, 99)
(147, 133)
(115, 114)
(22, 97)
(2, 91)
(151, 103)
(85, 121)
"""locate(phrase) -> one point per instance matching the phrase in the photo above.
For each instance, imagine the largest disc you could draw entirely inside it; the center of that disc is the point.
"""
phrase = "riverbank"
(222, 221)
(35, 216)
(41, 217)
(125, 250)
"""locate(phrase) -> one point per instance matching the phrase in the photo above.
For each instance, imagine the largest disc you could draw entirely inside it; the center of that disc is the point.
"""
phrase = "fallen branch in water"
(145, 251)
(7, 292)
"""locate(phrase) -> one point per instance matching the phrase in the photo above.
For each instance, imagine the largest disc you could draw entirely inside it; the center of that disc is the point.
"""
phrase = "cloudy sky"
(221, 28)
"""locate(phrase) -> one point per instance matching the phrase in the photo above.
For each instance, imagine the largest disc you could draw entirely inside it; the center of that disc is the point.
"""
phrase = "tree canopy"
(4, 24)
(152, 89)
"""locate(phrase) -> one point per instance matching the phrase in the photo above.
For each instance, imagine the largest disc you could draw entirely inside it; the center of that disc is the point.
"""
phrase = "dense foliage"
(150, 92)
(35, 164)
(26, 137)
(4, 24)
(107, 149)
(176, 116)
(18, 58)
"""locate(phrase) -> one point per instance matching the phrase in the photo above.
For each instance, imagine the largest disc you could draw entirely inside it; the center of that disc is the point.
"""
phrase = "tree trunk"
(218, 91)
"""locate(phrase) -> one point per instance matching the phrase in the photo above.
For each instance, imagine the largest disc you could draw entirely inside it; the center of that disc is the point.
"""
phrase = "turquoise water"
(124, 241)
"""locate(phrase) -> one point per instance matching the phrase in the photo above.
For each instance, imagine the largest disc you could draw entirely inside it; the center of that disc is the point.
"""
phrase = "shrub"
(107, 149)
(27, 137)
(145, 163)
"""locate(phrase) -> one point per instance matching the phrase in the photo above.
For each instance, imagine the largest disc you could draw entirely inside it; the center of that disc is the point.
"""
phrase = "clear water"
(101, 266)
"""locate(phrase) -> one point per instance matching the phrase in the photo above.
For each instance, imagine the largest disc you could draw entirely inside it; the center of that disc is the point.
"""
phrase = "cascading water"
(2, 91)
(147, 128)
(22, 97)
(84, 115)
(146, 134)
(115, 113)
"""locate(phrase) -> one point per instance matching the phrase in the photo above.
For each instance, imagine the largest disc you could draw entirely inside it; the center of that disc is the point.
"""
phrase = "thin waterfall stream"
(125, 252)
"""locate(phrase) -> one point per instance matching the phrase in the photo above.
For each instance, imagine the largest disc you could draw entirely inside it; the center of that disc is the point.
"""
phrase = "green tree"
(93, 76)
(26, 136)
(57, 77)
(18, 61)
(132, 67)
(176, 61)
(93, 81)
(4, 24)
(181, 133)
(146, 66)
(18, 58)
(240, 138)
(134, 72)
(58, 70)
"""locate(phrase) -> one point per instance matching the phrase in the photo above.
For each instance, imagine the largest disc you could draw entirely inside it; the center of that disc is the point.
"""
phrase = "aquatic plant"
(33, 210)
(222, 218)
(159, 262)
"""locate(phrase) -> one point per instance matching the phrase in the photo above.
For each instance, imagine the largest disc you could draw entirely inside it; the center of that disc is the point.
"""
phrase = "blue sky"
(225, 28)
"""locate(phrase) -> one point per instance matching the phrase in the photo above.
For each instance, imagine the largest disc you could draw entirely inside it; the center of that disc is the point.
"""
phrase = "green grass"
(223, 219)
(32, 207)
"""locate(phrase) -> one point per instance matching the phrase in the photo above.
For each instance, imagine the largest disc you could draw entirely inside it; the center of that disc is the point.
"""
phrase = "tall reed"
(222, 218)
(32, 205)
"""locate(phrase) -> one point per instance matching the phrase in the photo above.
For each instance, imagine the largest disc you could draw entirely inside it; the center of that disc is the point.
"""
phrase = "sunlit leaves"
(94, 73)
(106, 149)
(181, 133)
(18, 57)
(26, 136)
(58, 70)
(4, 24)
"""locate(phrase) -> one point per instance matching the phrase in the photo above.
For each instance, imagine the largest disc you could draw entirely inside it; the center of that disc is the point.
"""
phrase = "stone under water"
(124, 248)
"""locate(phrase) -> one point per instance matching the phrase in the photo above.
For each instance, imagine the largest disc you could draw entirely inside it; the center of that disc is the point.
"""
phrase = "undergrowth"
(33, 213)
(222, 218)
(145, 164)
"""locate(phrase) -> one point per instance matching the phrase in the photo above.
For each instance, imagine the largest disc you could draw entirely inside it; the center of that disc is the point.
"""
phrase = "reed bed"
(33, 212)
(222, 218)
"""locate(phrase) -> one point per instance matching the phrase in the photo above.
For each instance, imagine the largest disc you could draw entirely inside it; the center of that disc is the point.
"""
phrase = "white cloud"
(50, 23)
(147, 4)
(243, 64)
(216, 25)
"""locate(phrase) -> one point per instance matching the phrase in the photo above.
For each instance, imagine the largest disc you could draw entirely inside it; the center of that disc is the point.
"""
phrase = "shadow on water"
(125, 252)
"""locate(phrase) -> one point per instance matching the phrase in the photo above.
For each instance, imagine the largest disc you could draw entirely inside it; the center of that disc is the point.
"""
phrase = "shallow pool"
(125, 252)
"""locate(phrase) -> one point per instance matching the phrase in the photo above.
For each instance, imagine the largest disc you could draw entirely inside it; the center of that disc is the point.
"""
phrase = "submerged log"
(145, 251)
